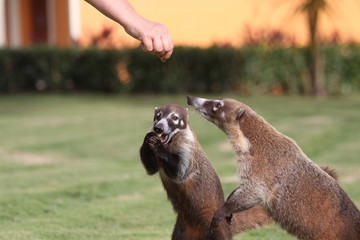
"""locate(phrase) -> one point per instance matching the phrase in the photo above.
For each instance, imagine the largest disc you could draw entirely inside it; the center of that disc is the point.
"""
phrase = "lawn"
(69, 164)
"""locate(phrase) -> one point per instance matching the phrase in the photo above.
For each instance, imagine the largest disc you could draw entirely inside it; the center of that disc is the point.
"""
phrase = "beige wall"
(203, 22)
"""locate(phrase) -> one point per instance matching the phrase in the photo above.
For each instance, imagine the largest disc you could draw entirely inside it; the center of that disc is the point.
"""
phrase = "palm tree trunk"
(316, 60)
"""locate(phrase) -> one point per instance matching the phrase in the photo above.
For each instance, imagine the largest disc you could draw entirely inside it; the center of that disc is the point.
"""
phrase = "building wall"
(204, 22)
(199, 23)
(30, 22)
(62, 23)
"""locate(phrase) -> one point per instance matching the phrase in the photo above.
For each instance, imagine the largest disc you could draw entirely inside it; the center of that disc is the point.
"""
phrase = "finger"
(157, 45)
(166, 56)
(153, 139)
(147, 45)
(168, 47)
(168, 44)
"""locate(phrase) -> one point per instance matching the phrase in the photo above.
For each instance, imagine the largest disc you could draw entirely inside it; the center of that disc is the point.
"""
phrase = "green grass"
(69, 164)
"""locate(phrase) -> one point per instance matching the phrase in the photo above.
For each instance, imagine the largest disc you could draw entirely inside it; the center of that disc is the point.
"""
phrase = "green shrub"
(35, 68)
(43, 68)
(253, 69)
(95, 70)
(267, 68)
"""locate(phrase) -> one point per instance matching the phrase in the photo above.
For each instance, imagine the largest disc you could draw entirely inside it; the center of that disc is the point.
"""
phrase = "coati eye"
(218, 105)
(174, 117)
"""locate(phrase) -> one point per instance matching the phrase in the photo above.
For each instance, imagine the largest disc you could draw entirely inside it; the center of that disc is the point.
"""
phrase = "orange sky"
(204, 22)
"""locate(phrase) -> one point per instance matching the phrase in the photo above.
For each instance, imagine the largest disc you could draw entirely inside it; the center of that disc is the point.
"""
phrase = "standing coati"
(275, 173)
(189, 179)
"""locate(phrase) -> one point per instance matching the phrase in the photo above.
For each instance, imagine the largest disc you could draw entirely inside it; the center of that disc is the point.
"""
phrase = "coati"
(189, 179)
(275, 173)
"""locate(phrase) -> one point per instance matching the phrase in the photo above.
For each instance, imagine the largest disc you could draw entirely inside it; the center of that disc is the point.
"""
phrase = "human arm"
(154, 37)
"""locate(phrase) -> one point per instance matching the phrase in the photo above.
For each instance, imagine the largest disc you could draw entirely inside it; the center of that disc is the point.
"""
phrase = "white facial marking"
(158, 114)
(199, 102)
(174, 117)
(182, 123)
(217, 103)
(165, 124)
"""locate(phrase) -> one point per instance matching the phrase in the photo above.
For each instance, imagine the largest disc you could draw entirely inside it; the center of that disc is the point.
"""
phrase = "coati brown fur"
(189, 179)
(275, 173)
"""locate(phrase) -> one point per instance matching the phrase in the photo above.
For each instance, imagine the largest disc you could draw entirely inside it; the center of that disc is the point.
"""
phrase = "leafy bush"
(44, 68)
(250, 69)
(96, 70)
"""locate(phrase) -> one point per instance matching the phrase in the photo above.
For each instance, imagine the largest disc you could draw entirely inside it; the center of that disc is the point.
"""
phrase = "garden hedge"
(257, 69)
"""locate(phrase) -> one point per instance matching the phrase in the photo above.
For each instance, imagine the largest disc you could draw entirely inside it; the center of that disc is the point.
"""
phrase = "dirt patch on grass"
(131, 197)
(350, 177)
(318, 120)
(33, 158)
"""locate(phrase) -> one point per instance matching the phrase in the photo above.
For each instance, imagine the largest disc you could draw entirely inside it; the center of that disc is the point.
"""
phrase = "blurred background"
(200, 23)
(77, 96)
(304, 47)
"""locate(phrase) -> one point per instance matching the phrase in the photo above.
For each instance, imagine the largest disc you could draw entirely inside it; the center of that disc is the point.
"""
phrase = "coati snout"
(218, 111)
(168, 121)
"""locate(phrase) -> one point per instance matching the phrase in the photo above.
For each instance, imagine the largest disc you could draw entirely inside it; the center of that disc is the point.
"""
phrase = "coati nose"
(159, 128)
(189, 100)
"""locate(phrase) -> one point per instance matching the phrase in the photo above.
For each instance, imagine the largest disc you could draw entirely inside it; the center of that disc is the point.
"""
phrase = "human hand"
(154, 37)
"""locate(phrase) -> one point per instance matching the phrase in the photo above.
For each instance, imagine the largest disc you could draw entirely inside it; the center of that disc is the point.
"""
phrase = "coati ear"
(156, 110)
(239, 113)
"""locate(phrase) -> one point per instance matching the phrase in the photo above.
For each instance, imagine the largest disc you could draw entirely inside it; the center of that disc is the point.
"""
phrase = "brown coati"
(275, 173)
(189, 179)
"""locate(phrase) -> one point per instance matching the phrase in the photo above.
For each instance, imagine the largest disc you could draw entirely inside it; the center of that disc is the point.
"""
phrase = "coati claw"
(214, 225)
(152, 140)
(218, 217)
(228, 218)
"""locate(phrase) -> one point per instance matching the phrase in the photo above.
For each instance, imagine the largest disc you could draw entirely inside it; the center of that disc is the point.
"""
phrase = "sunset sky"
(205, 22)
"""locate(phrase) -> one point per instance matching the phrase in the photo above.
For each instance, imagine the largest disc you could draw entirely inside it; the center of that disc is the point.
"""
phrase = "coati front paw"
(154, 142)
(221, 215)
